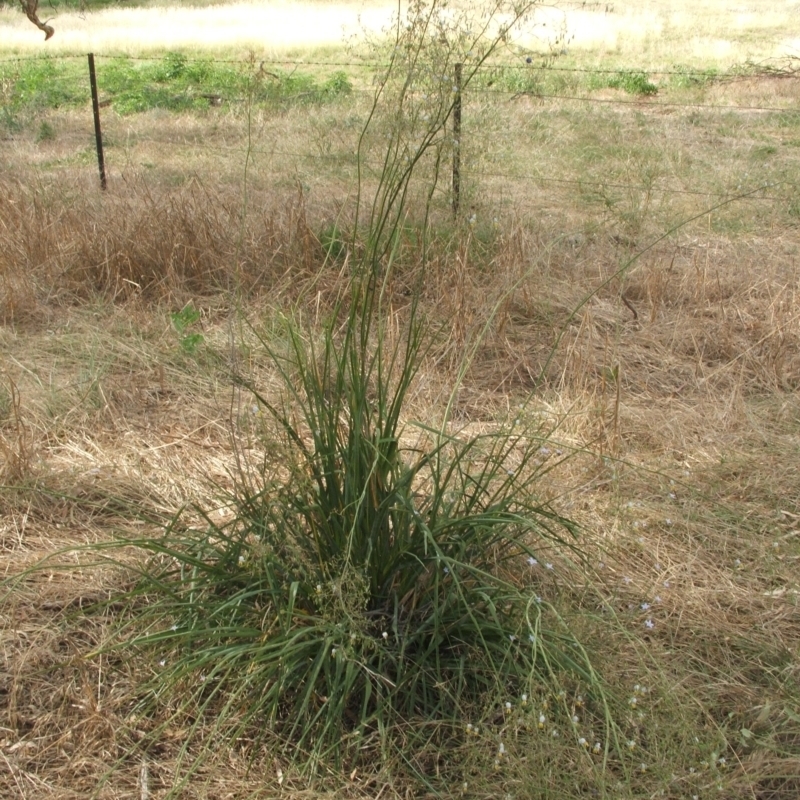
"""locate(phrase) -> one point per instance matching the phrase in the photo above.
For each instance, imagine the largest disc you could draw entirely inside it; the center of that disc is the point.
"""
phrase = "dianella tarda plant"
(372, 571)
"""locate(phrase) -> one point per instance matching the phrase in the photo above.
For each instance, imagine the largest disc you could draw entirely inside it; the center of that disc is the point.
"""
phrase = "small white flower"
(174, 628)
(645, 606)
(531, 638)
(575, 719)
(597, 747)
(657, 598)
(524, 699)
(631, 744)
(532, 562)
(501, 749)
(542, 720)
(163, 662)
(512, 637)
(385, 635)
(554, 733)
(548, 565)
(626, 580)
(582, 742)
(649, 624)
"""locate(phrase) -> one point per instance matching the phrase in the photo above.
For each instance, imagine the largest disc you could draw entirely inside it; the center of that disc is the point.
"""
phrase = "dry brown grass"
(684, 421)
(656, 31)
(111, 427)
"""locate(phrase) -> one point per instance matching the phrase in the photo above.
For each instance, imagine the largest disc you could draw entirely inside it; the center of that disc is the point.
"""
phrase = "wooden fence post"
(97, 133)
(457, 139)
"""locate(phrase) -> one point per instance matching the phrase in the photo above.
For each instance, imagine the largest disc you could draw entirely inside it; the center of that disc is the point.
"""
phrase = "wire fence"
(780, 67)
(627, 145)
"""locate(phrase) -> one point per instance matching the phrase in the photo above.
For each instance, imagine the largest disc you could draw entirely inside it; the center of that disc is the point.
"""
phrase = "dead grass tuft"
(149, 243)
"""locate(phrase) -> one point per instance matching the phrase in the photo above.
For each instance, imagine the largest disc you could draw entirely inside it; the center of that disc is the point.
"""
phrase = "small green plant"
(182, 321)
(172, 67)
(333, 242)
(337, 85)
(631, 82)
(683, 77)
(46, 132)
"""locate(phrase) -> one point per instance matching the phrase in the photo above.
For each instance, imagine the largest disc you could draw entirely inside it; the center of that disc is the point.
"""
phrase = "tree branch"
(30, 7)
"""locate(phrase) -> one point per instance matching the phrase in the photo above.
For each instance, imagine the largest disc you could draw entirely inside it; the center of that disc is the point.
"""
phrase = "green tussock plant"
(362, 581)
(373, 572)
(333, 242)
(631, 82)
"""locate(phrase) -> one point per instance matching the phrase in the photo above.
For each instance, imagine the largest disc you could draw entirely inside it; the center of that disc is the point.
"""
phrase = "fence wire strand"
(470, 92)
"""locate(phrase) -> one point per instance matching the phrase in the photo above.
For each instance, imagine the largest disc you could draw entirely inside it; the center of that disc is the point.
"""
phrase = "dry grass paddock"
(656, 32)
(670, 400)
